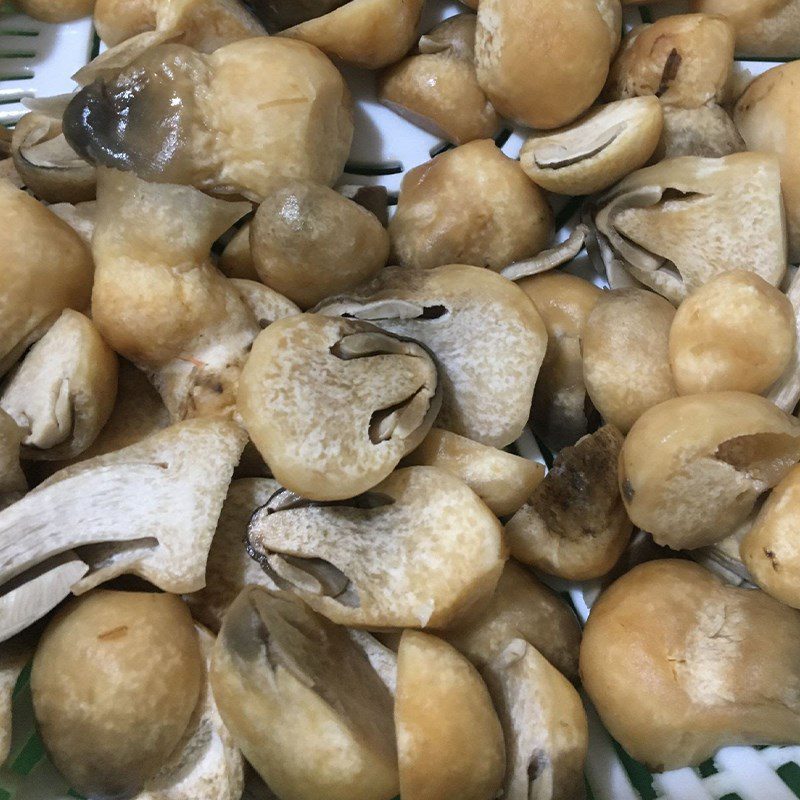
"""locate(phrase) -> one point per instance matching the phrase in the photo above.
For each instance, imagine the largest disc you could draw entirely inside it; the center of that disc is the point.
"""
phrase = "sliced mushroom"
(692, 468)
(236, 260)
(707, 131)
(450, 743)
(14, 655)
(437, 87)
(47, 268)
(485, 334)
(333, 405)
(12, 479)
(302, 702)
(377, 561)
(522, 607)
(266, 304)
(55, 10)
(596, 151)
(470, 205)
(502, 480)
(675, 225)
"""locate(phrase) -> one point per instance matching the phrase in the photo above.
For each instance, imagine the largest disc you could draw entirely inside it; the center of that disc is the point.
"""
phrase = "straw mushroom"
(437, 87)
(14, 655)
(141, 653)
(708, 665)
(12, 479)
(692, 468)
(470, 205)
(236, 260)
(376, 561)
(265, 304)
(485, 334)
(707, 131)
(302, 701)
(595, 152)
(449, 741)
(55, 10)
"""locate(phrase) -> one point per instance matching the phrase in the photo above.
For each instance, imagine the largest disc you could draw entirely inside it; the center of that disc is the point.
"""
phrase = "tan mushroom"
(470, 205)
(785, 392)
(675, 225)
(302, 701)
(514, 46)
(14, 655)
(437, 87)
(596, 151)
(691, 675)
(80, 217)
(692, 468)
(55, 10)
(485, 334)
(449, 741)
(265, 304)
(377, 561)
(707, 131)
(12, 479)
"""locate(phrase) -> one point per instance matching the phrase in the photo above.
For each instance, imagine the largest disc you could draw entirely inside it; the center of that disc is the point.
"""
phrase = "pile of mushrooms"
(264, 434)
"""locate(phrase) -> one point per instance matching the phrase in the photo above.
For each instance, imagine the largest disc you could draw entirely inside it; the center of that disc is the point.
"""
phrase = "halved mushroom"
(707, 131)
(575, 525)
(14, 655)
(437, 87)
(12, 479)
(157, 298)
(485, 334)
(545, 726)
(63, 392)
(47, 268)
(266, 304)
(470, 205)
(377, 561)
(55, 10)
(333, 405)
(599, 149)
(449, 740)
(705, 666)
(561, 408)
(502, 480)
(174, 115)
(302, 702)
(692, 468)
(522, 607)
(675, 225)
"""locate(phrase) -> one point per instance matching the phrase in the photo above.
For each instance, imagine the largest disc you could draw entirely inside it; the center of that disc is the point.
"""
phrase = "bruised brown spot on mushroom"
(114, 633)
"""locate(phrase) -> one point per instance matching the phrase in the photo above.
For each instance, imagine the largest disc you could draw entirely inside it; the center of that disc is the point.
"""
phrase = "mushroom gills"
(578, 147)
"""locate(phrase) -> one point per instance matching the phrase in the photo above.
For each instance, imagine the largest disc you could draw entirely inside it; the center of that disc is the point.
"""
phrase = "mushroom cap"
(692, 468)
(707, 131)
(485, 334)
(469, 205)
(421, 550)
(449, 740)
(689, 676)
(602, 147)
(142, 653)
(303, 702)
(55, 10)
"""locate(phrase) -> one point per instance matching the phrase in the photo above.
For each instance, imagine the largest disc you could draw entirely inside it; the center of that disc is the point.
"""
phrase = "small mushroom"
(595, 152)
(449, 740)
(675, 225)
(303, 702)
(63, 392)
(692, 468)
(266, 304)
(561, 408)
(55, 10)
(522, 607)
(706, 665)
(46, 268)
(736, 332)
(485, 334)
(376, 561)
(707, 131)
(437, 87)
(12, 479)
(626, 366)
(333, 405)
(14, 655)
(470, 205)
(502, 480)
(124, 669)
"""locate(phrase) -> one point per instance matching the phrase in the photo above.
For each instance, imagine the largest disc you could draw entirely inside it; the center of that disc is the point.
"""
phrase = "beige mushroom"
(766, 114)
(470, 205)
(514, 47)
(124, 669)
(14, 655)
(377, 560)
(502, 480)
(675, 225)
(12, 479)
(265, 304)
(437, 87)
(595, 152)
(626, 367)
(302, 702)
(55, 10)
(80, 217)
(691, 675)
(46, 268)
(785, 392)
(449, 741)
(485, 334)
(707, 131)
(561, 407)
(692, 468)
